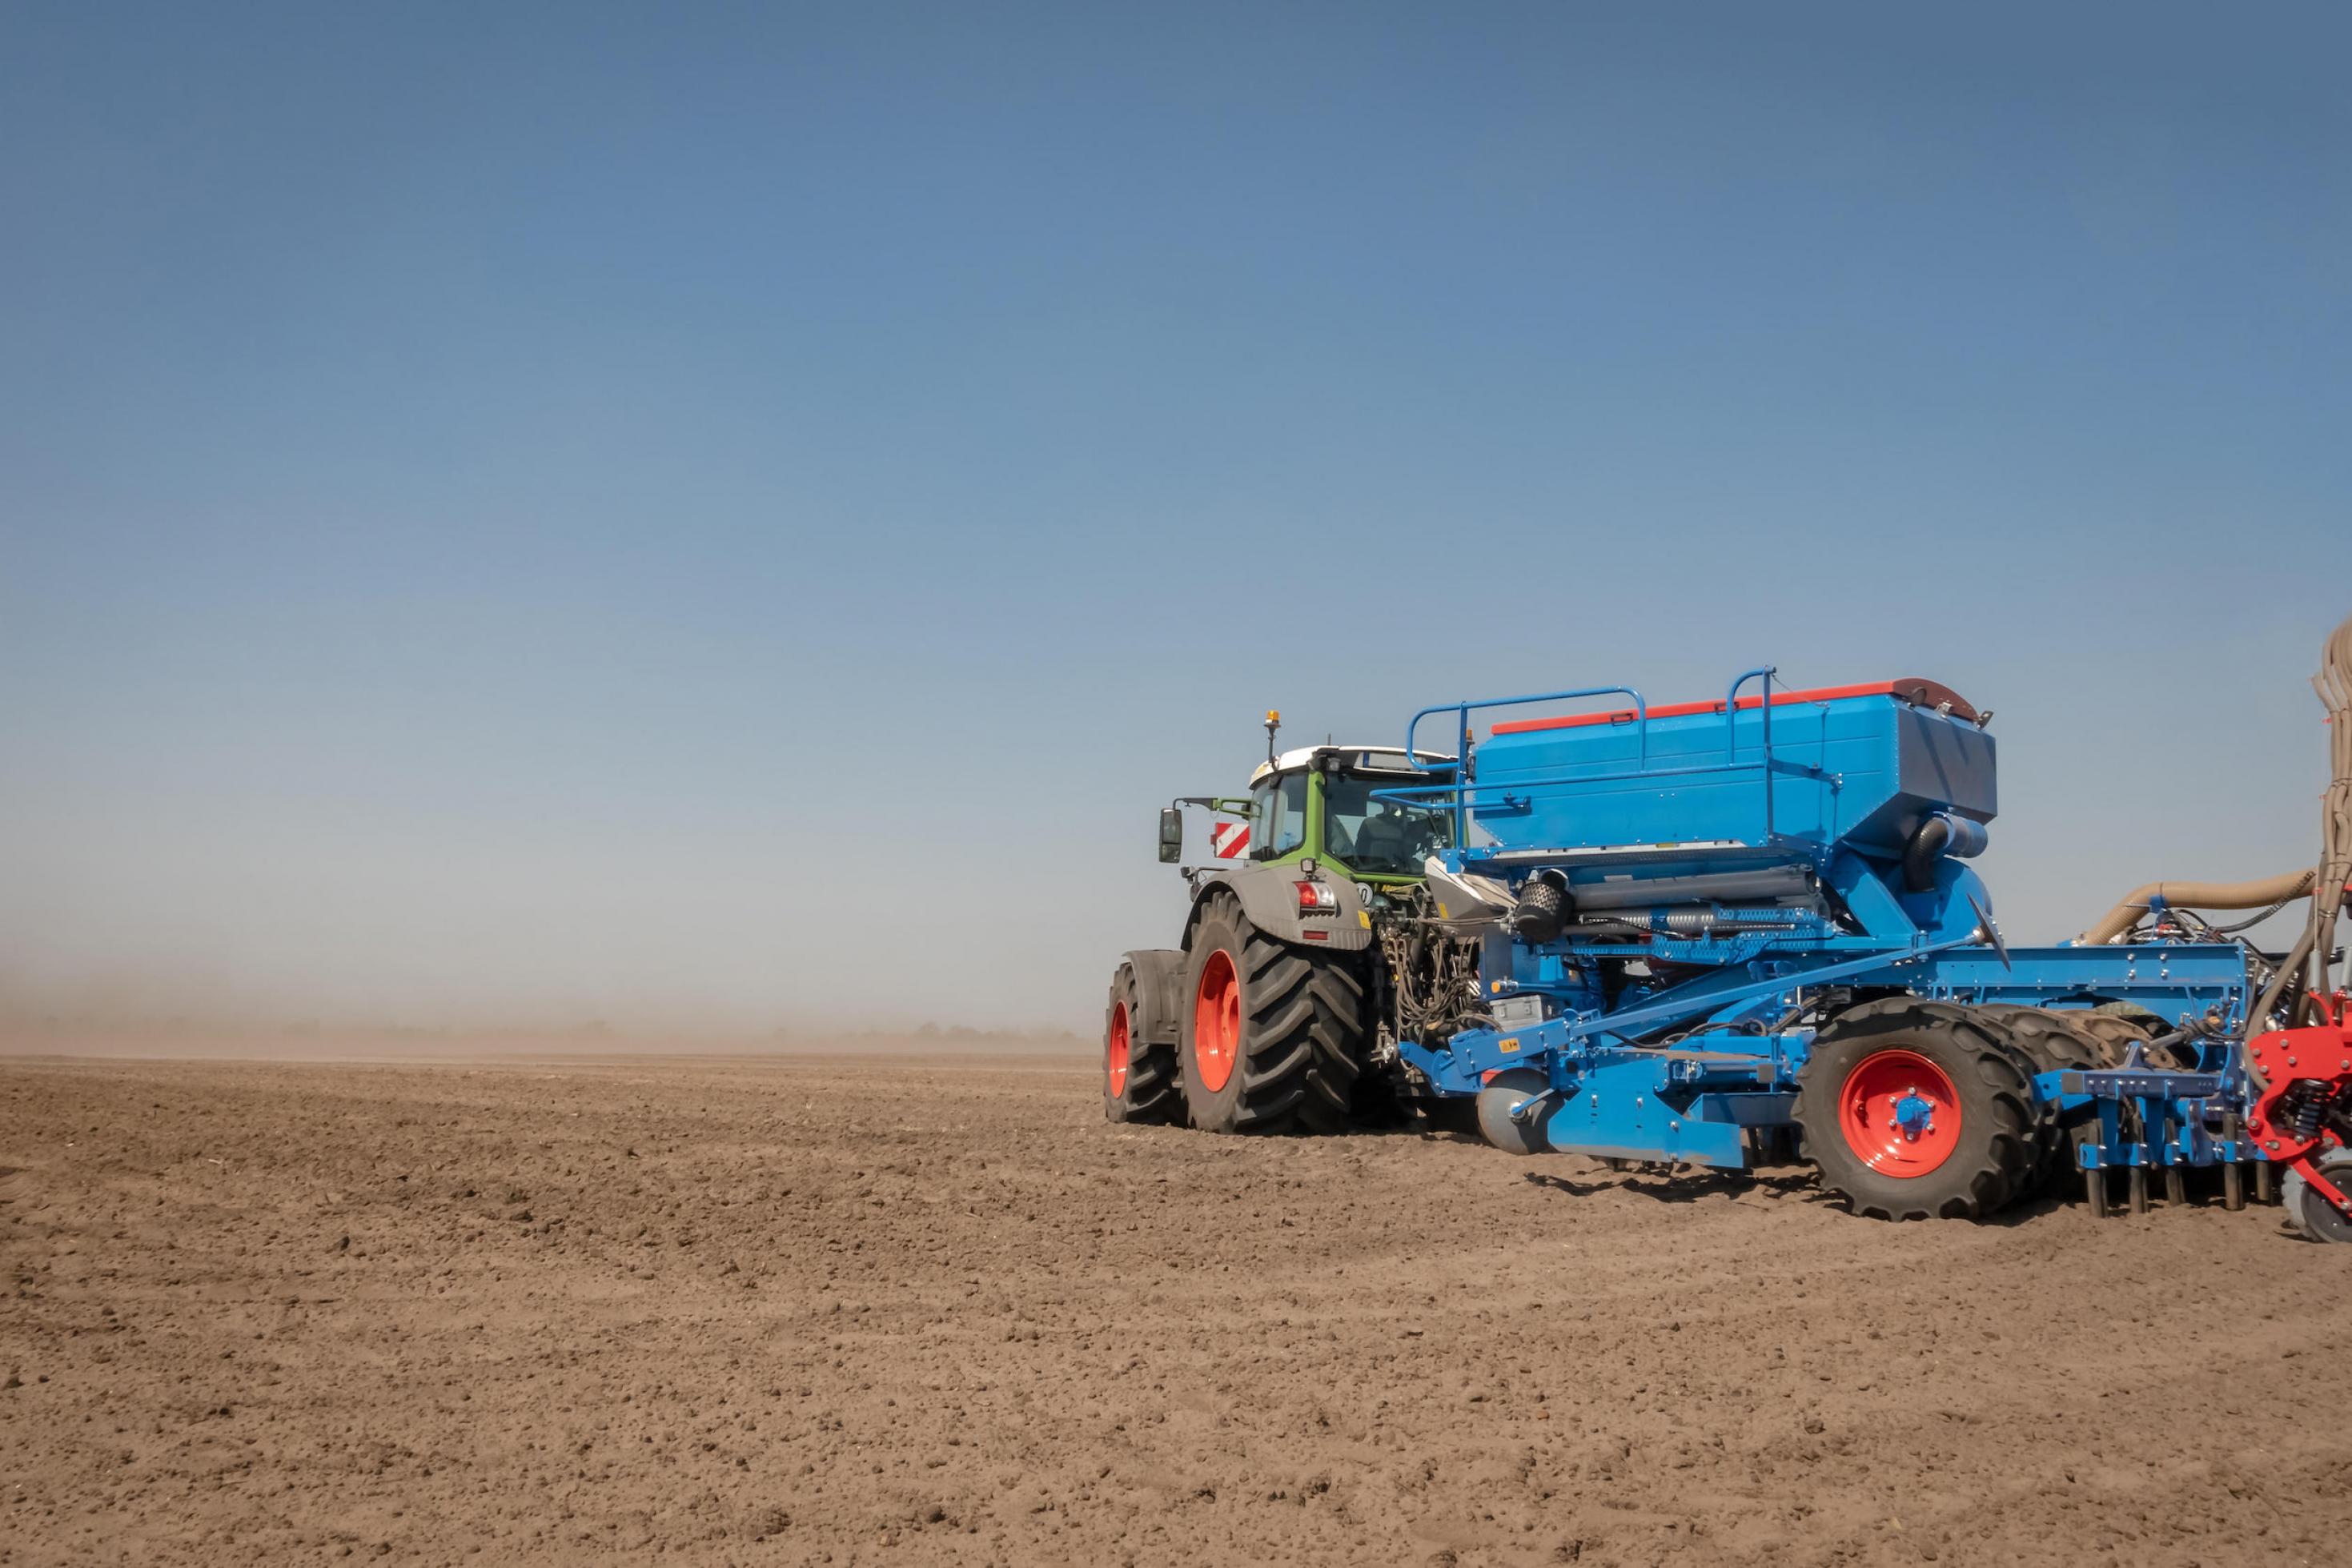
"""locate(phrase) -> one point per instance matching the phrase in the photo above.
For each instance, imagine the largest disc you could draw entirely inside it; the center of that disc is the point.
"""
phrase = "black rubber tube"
(1919, 856)
(1543, 905)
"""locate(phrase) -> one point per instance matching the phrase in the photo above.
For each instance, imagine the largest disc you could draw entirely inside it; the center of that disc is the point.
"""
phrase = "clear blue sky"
(731, 515)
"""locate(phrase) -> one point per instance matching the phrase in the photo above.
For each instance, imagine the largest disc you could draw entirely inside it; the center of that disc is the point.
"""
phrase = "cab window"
(1278, 817)
(1379, 837)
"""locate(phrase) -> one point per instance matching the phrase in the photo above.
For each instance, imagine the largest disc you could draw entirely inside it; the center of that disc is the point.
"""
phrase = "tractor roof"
(1355, 759)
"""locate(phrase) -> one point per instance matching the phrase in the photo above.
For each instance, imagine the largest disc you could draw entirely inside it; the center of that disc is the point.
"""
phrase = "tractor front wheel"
(1138, 1078)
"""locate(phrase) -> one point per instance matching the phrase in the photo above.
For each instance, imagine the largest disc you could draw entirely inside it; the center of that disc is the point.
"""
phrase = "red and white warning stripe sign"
(1228, 840)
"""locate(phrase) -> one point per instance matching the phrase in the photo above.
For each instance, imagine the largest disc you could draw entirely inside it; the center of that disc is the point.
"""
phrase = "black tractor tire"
(1284, 1051)
(1508, 1088)
(1139, 1079)
(2117, 1033)
(1991, 1142)
(2054, 1040)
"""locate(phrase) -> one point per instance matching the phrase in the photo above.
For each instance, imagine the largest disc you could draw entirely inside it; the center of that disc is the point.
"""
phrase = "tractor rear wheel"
(1273, 1036)
(1138, 1078)
(1915, 1110)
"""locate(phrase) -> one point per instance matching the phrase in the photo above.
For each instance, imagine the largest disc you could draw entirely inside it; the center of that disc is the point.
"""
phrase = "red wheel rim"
(1115, 1050)
(1900, 1114)
(1216, 1020)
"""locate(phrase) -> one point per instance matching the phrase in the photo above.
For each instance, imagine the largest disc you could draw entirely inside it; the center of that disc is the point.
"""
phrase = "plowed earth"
(890, 1310)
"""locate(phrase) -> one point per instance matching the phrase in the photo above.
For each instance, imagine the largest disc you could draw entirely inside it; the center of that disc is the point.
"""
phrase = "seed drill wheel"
(2314, 1215)
(1272, 1035)
(1915, 1110)
(2053, 1039)
(1138, 1078)
(1509, 1089)
(2116, 1034)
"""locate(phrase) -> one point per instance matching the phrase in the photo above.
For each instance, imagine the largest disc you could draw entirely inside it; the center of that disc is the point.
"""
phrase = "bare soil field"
(833, 1311)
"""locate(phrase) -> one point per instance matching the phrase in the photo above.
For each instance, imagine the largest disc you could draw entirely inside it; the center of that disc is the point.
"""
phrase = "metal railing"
(1456, 793)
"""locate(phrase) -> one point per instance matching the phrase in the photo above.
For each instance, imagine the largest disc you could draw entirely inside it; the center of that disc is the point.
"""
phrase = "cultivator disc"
(2314, 1215)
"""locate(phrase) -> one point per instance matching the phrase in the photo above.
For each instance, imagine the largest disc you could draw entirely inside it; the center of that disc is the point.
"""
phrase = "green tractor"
(1310, 948)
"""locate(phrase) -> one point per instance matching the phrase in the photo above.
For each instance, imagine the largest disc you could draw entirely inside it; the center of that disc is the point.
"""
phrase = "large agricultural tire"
(2117, 1033)
(1138, 1078)
(1272, 1035)
(1973, 1139)
(1510, 1087)
(2054, 1040)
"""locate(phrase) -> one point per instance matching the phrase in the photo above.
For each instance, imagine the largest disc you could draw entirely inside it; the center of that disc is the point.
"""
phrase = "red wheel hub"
(1115, 1050)
(1216, 1020)
(1899, 1112)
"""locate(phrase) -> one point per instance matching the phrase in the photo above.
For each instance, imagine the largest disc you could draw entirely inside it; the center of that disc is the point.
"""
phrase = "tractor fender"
(1269, 897)
(1159, 985)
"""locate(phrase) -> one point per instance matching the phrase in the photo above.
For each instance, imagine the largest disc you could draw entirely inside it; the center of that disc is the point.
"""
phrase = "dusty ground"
(811, 1310)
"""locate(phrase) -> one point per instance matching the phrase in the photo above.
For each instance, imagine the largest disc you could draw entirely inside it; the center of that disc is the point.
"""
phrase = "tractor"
(1716, 935)
(1303, 958)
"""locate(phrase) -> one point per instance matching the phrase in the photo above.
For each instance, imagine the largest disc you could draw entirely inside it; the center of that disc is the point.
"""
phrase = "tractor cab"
(1356, 810)
(1332, 804)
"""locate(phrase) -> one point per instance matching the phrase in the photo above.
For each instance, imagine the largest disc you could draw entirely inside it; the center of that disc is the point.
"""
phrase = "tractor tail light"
(1316, 898)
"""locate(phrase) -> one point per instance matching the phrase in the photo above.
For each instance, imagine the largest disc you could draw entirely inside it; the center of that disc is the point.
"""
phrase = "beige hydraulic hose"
(2199, 896)
(2333, 685)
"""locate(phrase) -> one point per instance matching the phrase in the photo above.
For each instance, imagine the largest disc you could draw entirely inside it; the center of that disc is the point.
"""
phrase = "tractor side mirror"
(1172, 835)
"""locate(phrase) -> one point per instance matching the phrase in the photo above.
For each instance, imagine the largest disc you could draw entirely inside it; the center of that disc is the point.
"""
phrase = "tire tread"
(2004, 1165)
(1303, 1033)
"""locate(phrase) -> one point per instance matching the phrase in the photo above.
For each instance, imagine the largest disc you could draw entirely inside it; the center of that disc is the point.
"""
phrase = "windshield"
(1380, 837)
